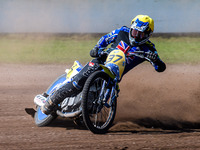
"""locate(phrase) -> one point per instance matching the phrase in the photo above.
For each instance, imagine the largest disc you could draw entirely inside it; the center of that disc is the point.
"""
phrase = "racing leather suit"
(120, 40)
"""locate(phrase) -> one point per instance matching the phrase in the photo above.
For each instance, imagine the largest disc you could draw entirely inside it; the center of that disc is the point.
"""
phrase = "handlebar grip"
(141, 54)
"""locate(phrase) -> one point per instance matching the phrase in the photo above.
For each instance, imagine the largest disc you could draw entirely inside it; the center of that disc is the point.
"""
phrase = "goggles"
(138, 34)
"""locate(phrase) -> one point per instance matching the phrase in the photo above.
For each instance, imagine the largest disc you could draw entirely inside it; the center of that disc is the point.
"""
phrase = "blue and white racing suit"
(119, 39)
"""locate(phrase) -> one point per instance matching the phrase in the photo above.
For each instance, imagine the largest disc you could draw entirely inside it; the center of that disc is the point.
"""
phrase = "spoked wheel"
(40, 118)
(98, 117)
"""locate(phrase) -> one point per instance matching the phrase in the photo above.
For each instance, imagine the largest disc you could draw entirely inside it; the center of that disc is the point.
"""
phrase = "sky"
(92, 16)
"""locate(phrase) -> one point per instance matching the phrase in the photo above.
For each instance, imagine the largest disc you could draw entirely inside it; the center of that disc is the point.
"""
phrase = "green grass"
(178, 49)
(43, 49)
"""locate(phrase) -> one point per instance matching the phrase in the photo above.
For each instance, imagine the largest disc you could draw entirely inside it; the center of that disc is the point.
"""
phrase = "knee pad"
(66, 90)
(79, 80)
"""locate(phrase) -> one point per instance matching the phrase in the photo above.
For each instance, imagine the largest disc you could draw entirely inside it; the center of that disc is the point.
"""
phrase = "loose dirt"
(155, 111)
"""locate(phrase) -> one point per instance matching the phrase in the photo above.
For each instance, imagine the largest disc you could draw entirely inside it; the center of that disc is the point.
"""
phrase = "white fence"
(89, 16)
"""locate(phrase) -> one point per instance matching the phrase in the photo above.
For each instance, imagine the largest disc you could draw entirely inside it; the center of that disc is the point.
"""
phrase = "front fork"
(111, 93)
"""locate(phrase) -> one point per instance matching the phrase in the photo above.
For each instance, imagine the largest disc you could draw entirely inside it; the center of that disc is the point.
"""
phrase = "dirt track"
(155, 111)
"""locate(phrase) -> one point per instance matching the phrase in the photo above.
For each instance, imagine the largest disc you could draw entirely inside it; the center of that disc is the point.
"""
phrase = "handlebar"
(141, 54)
(101, 51)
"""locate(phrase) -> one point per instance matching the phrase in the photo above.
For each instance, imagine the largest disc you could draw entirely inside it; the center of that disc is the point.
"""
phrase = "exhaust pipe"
(70, 114)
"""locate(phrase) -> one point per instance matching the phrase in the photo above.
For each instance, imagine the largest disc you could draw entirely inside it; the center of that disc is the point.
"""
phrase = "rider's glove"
(153, 56)
(103, 55)
(94, 52)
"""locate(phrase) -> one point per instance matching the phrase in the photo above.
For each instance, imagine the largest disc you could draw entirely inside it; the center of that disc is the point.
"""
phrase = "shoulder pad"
(150, 44)
(125, 29)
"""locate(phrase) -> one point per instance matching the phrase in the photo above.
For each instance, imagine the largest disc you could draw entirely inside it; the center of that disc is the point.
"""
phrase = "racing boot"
(66, 90)
(48, 107)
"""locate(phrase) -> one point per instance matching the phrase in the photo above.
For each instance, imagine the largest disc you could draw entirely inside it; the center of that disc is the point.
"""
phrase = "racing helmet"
(142, 26)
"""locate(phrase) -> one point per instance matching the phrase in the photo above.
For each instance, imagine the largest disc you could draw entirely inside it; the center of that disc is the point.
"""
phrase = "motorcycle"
(95, 106)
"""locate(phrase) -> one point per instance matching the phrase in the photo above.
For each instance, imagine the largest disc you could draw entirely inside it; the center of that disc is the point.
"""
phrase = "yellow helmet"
(142, 26)
(145, 18)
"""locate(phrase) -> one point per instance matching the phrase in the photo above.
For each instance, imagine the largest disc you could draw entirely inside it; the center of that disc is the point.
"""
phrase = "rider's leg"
(70, 89)
(65, 91)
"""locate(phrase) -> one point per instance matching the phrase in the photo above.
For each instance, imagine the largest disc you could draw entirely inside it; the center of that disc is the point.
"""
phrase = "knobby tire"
(86, 114)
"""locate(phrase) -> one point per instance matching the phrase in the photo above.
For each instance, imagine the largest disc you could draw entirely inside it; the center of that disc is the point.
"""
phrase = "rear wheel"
(97, 116)
(40, 118)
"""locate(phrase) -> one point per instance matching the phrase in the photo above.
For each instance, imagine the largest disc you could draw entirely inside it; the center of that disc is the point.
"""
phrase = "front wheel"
(97, 116)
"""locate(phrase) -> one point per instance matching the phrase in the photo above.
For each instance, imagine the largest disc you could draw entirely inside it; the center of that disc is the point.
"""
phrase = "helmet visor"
(137, 34)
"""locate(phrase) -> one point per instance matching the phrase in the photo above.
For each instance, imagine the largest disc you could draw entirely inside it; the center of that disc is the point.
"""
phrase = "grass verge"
(45, 49)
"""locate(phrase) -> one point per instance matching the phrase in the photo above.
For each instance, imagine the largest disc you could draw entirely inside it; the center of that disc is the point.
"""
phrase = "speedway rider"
(126, 39)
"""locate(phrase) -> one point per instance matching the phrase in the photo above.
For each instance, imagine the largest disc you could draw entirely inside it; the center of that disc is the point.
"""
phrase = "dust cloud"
(168, 100)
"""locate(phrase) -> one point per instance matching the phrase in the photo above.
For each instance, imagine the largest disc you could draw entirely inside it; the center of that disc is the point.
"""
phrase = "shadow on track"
(153, 126)
(60, 122)
(30, 111)
(167, 124)
(66, 123)
(142, 125)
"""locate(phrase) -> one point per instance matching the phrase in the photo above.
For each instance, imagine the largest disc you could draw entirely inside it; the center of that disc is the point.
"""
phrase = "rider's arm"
(158, 64)
(108, 38)
(105, 41)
